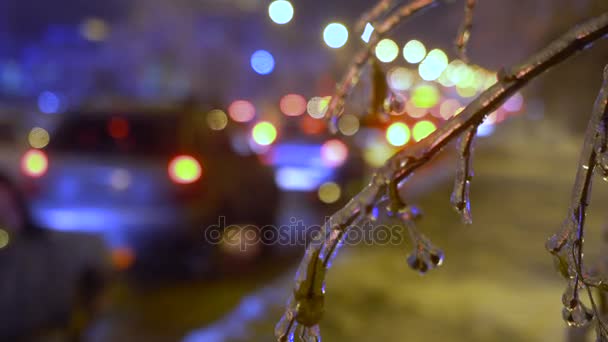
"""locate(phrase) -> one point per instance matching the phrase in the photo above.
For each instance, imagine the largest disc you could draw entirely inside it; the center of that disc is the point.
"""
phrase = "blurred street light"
(335, 35)
(280, 11)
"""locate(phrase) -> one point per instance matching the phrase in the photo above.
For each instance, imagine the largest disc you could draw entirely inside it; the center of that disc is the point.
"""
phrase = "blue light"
(48, 102)
(485, 129)
(262, 62)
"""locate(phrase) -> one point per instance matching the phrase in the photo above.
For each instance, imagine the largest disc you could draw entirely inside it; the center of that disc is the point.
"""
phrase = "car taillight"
(185, 169)
(34, 163)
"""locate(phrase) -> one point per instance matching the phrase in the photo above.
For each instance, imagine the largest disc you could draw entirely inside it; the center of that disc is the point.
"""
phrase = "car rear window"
(117, 134)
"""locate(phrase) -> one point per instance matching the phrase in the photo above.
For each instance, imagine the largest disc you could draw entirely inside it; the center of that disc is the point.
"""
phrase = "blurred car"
(149, 181)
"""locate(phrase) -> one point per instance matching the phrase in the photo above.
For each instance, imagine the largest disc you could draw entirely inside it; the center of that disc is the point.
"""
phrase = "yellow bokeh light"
(433, 65)
(4, 238)
(414, 51)
(264, 133)
(94, 29)
(38, 137)
(348, 124)
(398, 134)
(425, 96)
(329, 192)
(185, 169)
(423, 129)
(387, 50)
(400, 78)
(466, 91)
(217, 120)
(377, 153)
(317, 106)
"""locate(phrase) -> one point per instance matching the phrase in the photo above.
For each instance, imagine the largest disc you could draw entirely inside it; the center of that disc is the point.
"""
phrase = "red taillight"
(185, 170)
(34, 163)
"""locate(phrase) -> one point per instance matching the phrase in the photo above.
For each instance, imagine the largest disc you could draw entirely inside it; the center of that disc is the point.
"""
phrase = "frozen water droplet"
(311, 334)
(437, 257)
(579, 316)
(394, 104)
(417, 264)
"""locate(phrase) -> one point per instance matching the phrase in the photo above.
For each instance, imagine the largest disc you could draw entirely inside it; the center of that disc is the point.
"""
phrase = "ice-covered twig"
(374, 13)
(567, 245)
(409, 159)
(353, 73)
(465, 29)
(464, 174)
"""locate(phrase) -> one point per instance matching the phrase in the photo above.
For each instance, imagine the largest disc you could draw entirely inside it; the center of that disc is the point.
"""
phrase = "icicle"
(464, 173)
(310, 334)
(425, 256)
(578, 316)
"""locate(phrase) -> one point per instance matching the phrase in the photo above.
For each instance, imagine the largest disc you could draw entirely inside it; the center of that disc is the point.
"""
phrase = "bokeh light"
(120, 179)
(335, 35)
(293, 105)
(433, 65)
(414, 51)
(334, 153)
(425, 96)
(38, 137)
(118, 128)
(48, 102)
(387, 50)
(317, 106)
(514, 103)
(400, 78)
(241, 111)
(312, 126)
(423, 129)
(264, 133)
(217, 119)
(262, 62)
(348, 124)
(398, 134)
(34, 163)
(329, 192)
(184, 169)
(4, 238)
(448, 108)
(280, 11)
(414, 111)
(94, 29)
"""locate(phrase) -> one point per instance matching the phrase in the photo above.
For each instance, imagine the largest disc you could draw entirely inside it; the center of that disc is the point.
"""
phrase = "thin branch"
(353, 74)
(465, 29)
(406, 161)
(374, 13)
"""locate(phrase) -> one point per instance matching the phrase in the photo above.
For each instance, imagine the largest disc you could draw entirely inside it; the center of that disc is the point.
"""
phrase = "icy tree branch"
(567, 245)
(373, 14)
(465, 30)
(352, 75)
(305, 307)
